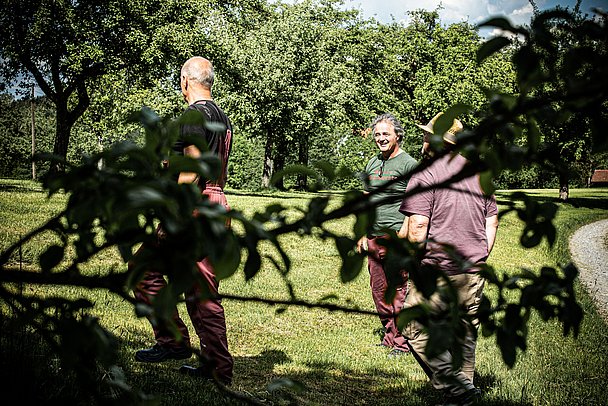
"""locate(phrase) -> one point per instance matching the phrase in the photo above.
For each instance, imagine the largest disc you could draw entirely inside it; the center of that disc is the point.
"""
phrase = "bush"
(245, 164)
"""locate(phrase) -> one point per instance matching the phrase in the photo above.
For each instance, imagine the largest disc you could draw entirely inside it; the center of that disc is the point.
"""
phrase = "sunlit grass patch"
(333, 353)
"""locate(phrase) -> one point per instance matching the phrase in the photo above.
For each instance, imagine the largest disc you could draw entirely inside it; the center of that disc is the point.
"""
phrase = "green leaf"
(408, 315)
(215, 126)
(191, 118)
(487, 184)
(226, 257)
(178, 163)
(498, 22)
(252, 265)
(542, 20)
(529, 70)
(444, 122)
(145, 196)
(199, 142)
(327, 169)
(440, 338)
(534, 135)
(50, 258)
(316, 208)
(491, 47)
(143, 310)
(351, 261)
(362, 224)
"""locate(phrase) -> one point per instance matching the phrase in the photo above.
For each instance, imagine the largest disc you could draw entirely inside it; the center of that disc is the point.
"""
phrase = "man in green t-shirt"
(391, 163)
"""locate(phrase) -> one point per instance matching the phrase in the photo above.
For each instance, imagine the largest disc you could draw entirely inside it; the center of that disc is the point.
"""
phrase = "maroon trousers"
(389, 311)
(207, 316)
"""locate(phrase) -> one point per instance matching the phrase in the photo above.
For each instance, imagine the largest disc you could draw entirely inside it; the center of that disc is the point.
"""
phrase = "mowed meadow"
(330, 356)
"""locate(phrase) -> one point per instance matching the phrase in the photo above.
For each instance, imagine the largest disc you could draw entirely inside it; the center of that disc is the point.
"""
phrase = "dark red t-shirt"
(457, 214)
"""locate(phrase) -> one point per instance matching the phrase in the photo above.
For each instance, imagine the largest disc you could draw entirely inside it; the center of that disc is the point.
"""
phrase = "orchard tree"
(290, 79)
(113, 99)
(419, 68)
(64, 46)
(567, 136)
(16, 133)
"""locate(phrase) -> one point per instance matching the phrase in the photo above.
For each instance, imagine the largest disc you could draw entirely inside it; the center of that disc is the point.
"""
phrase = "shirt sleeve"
(366, 174)
(491, 207)
(193, 126)
(419, 203)
(410, 165)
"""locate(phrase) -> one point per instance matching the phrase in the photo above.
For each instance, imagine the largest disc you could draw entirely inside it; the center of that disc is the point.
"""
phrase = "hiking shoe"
(158, 353)
(202, 372)
(396, 353)
(470, 397)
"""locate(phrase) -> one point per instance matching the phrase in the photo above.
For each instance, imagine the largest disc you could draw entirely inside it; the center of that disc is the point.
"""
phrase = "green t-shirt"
(379, 171)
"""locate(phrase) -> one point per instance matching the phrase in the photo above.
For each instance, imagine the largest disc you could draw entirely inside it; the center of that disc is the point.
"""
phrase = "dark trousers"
(440, 369)
(378, 283)
(207, 316)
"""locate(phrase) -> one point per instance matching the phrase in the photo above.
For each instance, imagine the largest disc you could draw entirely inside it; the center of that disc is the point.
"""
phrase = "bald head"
(199, 71)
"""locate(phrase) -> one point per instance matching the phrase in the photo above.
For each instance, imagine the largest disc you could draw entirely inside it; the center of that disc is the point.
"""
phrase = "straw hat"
(450, 134)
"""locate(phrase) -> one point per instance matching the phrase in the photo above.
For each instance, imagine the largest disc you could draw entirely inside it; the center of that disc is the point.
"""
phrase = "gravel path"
(590, 255)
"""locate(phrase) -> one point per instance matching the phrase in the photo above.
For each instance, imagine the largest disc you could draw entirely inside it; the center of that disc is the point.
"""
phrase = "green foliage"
(561, 67)
(245, 163)
(66, 46)
(290, 79)
(119, 203)
(113, 98)
(117, 197)
(318, 60)
(16, 134)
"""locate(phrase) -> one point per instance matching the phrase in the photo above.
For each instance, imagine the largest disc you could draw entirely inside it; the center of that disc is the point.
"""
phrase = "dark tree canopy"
(63, 46)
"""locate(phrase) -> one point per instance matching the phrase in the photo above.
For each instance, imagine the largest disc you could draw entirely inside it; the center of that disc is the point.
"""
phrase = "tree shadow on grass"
(488, 382)
(20, 187)
(599, 200)
(322, 382)
(331, 383)
(268, 194)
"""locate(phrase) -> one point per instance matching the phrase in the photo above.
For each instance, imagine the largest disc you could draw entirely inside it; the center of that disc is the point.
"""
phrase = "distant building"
(599, 178)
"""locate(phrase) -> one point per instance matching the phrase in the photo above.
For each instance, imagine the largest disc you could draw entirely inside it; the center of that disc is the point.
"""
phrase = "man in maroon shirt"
(207, 315)
(462, 217)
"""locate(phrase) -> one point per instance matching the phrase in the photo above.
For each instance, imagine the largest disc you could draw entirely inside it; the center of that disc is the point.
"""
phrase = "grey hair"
(393, 121)
(198, 72)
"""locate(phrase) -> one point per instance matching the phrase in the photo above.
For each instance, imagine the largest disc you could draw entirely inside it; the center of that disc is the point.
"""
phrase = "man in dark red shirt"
(462, 217)
(207, 315)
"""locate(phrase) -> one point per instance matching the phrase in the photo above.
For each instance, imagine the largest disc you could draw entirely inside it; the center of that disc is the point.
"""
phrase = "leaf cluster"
(124, 197)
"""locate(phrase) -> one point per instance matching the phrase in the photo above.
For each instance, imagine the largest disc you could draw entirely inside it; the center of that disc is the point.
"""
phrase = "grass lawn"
(333, 354)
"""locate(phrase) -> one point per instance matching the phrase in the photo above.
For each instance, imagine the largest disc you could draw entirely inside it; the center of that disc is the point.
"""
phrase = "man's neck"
(393, 154)
(198, 94)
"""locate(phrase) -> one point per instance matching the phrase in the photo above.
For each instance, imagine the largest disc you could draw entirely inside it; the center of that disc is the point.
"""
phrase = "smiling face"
(386, 139)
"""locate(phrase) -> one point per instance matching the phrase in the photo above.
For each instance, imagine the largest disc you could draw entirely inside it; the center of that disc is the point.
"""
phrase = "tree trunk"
(302, 182)
(268, 163)
(63, 128)
(279, 165)
(564, 190)
(66, 119)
